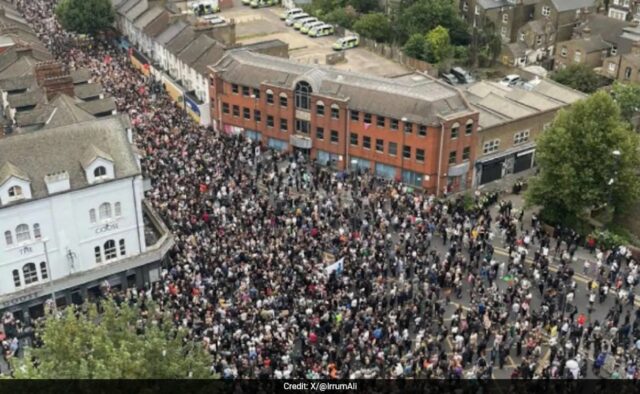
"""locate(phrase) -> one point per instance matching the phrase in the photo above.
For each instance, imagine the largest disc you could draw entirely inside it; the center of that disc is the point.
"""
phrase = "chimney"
(57, 182)
(586, 33)
(53, 79)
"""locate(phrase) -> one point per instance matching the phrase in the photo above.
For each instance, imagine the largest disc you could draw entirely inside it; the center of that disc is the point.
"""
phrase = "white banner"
(337, 266)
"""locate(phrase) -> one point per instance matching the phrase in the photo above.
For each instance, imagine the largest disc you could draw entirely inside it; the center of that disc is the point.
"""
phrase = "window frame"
(320, 133)
(366, 142)
(379, 145)
(30, 273)
(320, 108)
(23, 235)
(406, 152)
(353, 137)
(420, 155)
(453, 157)
(110, 250)
(334, 133)
(283, 100)
(44, 271)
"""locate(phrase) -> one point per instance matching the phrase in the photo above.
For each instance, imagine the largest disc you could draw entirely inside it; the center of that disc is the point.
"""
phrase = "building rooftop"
(568, 5)
(45, 151)
(420, 100)
(87, 90)
(181, 40)
(100, 106)
(195, 49)
(147, 17)
(170, 32)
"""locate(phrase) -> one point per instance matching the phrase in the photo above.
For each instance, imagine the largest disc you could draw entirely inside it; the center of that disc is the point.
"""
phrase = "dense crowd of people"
(419, 293)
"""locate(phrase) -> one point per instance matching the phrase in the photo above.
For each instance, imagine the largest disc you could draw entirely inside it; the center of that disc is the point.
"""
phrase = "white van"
(290, 12)
(293, 19)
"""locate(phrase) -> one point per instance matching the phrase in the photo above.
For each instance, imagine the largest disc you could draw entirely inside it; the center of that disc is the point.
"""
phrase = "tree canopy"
(113, 344)
(85, 16)
(375, 25)
(577, 164)
(627, 96)
(580, 77)
(438, 45)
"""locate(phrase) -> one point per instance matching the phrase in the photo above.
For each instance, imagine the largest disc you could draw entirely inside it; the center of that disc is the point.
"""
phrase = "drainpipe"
(135, 207)
(440, 158)
(347, 137)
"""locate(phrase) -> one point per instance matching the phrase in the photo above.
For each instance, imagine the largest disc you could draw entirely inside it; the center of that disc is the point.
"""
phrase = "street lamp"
(50, 274)
(616, 154)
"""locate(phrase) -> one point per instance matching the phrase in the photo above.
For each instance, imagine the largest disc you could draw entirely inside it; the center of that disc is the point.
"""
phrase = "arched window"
(8, 237)
(118, 209)
(99, 171)
(123, 249)
(98, 254)
(283, 99)
(30, 273)
(303, 95)
(16, 278)
(22, 233)
(469, 127)
(36, 231)
(110, 252)
(105, 210)
(15, 191)
(319, 108)
(44, 273)
(455, 130)
(92, 215)
(269, 96)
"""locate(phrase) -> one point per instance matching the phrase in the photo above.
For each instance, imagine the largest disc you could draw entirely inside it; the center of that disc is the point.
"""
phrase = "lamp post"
(46, 259)
(616, 154)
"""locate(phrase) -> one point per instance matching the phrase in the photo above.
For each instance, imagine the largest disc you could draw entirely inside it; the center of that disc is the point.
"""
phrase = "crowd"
(420, 292)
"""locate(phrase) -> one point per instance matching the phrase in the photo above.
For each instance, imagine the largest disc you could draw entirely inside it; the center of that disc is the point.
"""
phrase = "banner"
(338, 266)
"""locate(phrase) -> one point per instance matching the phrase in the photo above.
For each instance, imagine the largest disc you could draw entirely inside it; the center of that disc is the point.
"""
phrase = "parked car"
(320, 31)
(310, 25)
(291, 11)
(511, 80)
(462, 75)
(450, 79)
(214, 20)
(346, 43)
(263, 3)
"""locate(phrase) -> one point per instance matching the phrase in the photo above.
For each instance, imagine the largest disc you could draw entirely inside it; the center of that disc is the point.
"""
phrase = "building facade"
(414, 128)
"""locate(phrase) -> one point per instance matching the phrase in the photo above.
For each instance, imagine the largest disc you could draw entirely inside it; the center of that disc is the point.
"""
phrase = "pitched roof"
(180, 41)
(17, 83)
(26, 99)
(568, 5)
(63, 149)
(156, 26)
(87, 90)
(195, 49)
(96, 107)
(610, 29)
(91, 154)
(66, 112)
(170, 32)
(80, 75)
(148, 16)
(211, 56)
(8, 170)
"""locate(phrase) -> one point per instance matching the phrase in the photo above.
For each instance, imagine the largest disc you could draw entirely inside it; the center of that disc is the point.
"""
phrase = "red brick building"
(412, 128)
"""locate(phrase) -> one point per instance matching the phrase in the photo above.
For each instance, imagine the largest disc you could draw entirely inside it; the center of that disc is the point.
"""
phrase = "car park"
(308, 26)
(462, 75)
(511, 80)
(290, 12)
(299, 23)
(293, 19)
(346, 43)
(321, 31)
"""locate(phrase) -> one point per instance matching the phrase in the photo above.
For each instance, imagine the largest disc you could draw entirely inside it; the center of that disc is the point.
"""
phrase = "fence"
(396, 54)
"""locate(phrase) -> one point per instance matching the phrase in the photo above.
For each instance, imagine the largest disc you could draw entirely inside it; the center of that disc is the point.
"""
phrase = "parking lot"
(255, 25)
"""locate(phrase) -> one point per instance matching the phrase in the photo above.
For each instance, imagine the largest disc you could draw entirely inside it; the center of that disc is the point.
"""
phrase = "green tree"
(364, 6)
(85, 16)
(580, 77)
(423, 16)
(344, 17)
(576, 161)
(627, 96)
(375, 25)
(415, 46)
(438, 45)
(112, 345)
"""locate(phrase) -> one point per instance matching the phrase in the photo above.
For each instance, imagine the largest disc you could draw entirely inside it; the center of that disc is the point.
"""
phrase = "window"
(466, 153)
(355, 115)
(256, 93)
(118, 209)
(454, 130)
(393, 148)
(302, 96)
(320, 108)
(303, 126)
(468, 130)
(16, 191)
(30, 274)
(614, 51)
(245, 91)
(22, 233)
(408, 127)
(99, 171)
(490, 146)
(44, 273)
(320, 133)
(234, 88)
(92, 215)
(110, 250)
(546, 11)
(394, 124)
(453, 157)
(123, 249)
(521, 137)
(8, 238)
(627, 73)
(225, 108)
(538, 40)
(505, 18)
(503, 31)
(380, 121)
(105, 210)
(283, 99)
(36, 231)
(422, 131)
(334, 137)
(612, 67)
(283, 124)
(380, 145)
(521, 36)
(269, 97)
(577, 56)
(335, 112)
(354, 139)
(406, 152)
(246, 113)
(477, 10)
(563, 52)
(257, 115)
(367, 118)
(236, 111)
(16, 278)
(97, 254)
(366, 142)
(419, 154)
(269, 121)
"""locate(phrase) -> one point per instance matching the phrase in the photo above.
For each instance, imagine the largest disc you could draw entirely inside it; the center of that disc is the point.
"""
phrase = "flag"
(367, 125)
(337, 266)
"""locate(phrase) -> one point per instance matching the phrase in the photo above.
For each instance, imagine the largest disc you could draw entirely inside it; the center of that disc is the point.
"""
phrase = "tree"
(580, 77)
(438, 45)
(112, 345)
(85, 16)
(415, 46)
(627, 96)
(364, 6)
(375, 25)
(577, 164)
(341, 16)
(423, 16)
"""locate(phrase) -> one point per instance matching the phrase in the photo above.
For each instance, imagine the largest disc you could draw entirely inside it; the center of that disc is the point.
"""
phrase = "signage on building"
(299, 141)
(107, 227)
(19, 300)
(25, 250)
(193, 106)
(303, 115)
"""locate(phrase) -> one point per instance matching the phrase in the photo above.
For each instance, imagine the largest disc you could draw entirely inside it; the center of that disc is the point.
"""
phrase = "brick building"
(412, 128)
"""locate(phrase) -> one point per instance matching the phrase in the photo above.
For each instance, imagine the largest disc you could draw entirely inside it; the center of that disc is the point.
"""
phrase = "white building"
(72, 214)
